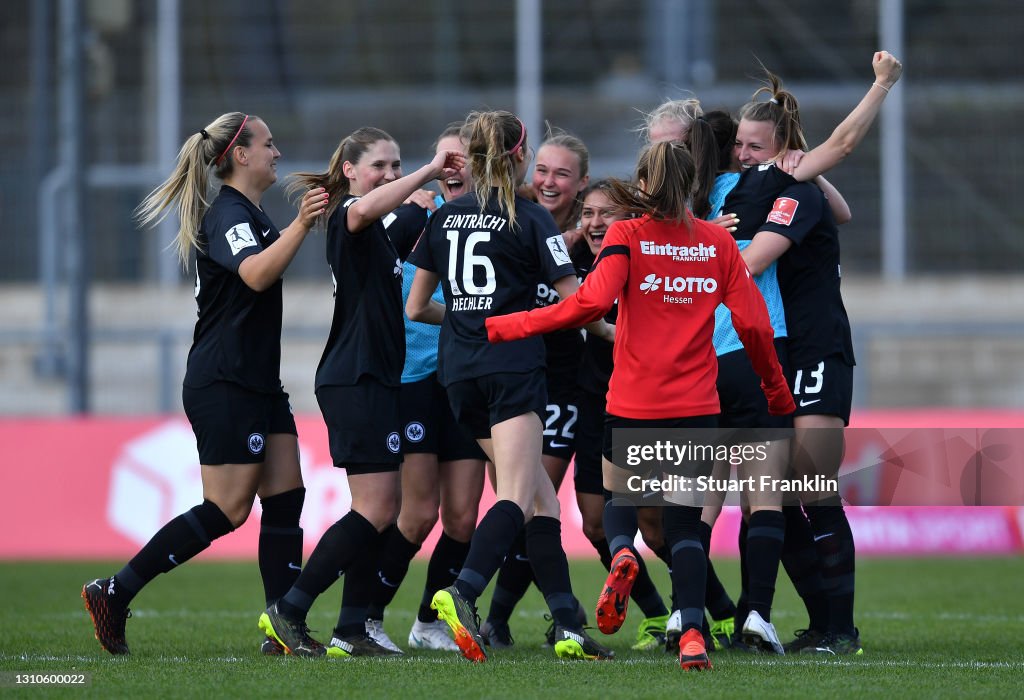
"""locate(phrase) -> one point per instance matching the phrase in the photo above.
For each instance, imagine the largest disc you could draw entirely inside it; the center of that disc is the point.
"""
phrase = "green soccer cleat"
(291, 634)
(577, 644)
(651, 633)
(462, 620)
(721, 633)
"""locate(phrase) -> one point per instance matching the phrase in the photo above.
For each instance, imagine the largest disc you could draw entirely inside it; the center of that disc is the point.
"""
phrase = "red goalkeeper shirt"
(668, 282)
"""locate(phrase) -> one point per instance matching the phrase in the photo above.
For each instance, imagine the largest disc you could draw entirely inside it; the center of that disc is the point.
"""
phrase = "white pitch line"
(451, 657)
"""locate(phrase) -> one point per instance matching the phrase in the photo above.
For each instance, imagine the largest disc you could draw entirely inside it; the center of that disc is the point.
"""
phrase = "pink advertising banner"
(100, 487)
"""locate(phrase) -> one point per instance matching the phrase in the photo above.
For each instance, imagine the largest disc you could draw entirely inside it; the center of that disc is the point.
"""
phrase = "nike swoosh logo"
(520, 557)
(808, 403)
(173, 560)
(265, 233)
(821, 537)
(384, 580)
(293, 566)
(557, 445)
(453, 572)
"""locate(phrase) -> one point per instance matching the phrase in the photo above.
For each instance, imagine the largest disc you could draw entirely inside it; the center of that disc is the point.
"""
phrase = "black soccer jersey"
(809, 276)
(238, 334)
(367, 334)
(486, 269)
(753, 196)
(563, 348)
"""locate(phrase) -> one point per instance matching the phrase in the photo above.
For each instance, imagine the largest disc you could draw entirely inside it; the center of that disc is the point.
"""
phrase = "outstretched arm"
(851, 130)
(566, 287)
(588, 304)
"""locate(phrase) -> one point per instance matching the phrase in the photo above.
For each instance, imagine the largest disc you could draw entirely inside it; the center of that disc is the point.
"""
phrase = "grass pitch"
(930, 628)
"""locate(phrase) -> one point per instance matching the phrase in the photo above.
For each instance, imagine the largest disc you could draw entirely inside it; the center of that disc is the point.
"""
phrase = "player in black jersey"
(358, 378)
(489, 249)
(232, 391)
(560, 172)
(442, 470)
(794, 225)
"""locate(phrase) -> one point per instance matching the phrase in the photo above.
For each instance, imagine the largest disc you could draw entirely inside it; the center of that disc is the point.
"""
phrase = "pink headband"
(522, 137)
(233, 139)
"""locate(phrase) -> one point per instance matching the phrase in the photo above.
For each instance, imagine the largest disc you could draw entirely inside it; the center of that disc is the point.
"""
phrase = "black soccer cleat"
(291, 634)
(108, 619)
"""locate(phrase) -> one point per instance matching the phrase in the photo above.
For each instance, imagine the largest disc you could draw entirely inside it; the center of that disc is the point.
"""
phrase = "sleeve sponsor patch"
(783, 211)
(560, 254)
(240, 237)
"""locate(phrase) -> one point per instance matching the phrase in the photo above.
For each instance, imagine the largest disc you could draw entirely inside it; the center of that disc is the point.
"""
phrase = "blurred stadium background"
(99, 94)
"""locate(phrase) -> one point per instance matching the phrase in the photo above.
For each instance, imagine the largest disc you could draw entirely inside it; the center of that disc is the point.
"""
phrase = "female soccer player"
(795, 226)
(232, 392)
(442, 466)
(358, 378)
(669, 271)
(560, 173)
(488, 251)
(597, 215)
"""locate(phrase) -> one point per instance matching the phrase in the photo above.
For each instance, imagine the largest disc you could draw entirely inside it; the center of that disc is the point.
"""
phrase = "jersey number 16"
(470, 261)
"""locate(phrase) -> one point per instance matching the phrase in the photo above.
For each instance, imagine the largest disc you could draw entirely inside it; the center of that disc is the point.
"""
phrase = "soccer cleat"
(761, 635)
(577, 644)
(108, 620)
(375, 631)
(651, 633)
(737, 643)
(805, 639)
(673, 631)
(614, 598)
(357, 645)
(722, 632)
(693, 655)
(549, 633)
(271, 647)
(463, 621)
(432, 635)
(292, 635)
(497, 634)
(839, 644)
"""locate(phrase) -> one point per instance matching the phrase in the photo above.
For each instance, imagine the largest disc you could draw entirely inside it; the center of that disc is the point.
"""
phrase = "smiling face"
(597, 215)
(380, 164)
(557, 181)
(460, 183)
(755, 143)
(259, 158)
